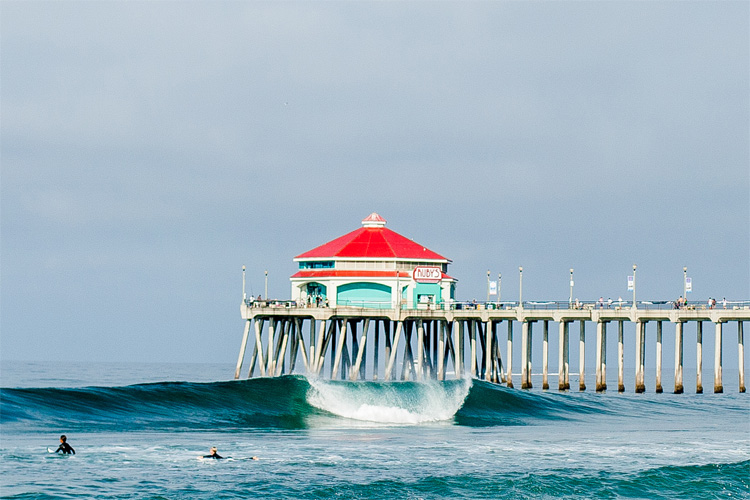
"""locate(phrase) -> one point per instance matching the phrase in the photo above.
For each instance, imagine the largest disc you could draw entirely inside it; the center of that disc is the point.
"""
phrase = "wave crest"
(405, 403)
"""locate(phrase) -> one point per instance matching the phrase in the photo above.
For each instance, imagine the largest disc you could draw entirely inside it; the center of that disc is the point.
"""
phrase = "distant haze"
(150, 149)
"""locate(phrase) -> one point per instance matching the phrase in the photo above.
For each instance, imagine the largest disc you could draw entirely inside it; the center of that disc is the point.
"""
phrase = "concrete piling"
(620, 358)
(526, 355)
(699, 358)
(561, 357)
(640, 353)
(718, 386)
(582, 358)
(509, 375)
(741, 355)
(545, 355)
(678, 338)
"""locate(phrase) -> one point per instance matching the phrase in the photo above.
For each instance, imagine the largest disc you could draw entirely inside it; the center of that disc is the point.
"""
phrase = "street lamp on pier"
(570, 299)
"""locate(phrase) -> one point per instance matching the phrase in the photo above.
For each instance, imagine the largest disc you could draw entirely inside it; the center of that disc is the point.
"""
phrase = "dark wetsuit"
(66, 449)
(213, 455)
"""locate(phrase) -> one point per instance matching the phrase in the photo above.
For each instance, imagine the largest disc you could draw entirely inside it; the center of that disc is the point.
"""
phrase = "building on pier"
(373, 267)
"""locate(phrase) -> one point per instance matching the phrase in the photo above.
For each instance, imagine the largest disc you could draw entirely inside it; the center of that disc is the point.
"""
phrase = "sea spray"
(405, 403)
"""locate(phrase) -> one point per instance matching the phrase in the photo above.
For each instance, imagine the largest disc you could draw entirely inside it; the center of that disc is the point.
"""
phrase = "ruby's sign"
(425, 274)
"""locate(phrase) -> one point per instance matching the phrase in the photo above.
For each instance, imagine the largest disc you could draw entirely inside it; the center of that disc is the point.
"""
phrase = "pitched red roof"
(373, 241)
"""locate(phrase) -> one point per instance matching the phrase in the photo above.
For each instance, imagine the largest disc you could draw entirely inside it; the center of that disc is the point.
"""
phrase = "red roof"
(373, 241)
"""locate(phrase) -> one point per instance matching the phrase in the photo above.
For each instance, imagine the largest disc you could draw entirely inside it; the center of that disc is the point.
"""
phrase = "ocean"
(138, 430)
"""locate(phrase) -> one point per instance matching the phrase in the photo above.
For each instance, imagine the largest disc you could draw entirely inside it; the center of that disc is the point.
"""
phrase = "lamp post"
(266, 290)
(499, 286)
(570, 300)
(488, 285)
(634, 267)
(520, 287)
(244, 295)
(684, 282)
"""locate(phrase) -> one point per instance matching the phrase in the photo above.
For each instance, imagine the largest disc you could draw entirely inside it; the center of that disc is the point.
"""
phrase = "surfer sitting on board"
(213, 454)
(64, 447)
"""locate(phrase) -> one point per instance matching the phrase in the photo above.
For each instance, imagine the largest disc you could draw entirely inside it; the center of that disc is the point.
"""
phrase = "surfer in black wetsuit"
(64, 447)
(213, 454)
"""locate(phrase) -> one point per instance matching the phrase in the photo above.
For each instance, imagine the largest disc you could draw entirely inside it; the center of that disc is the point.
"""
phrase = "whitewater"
(139, 431)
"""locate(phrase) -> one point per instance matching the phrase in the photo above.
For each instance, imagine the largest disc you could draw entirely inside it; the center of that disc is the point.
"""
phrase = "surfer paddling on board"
(64, 447)
(213, 454)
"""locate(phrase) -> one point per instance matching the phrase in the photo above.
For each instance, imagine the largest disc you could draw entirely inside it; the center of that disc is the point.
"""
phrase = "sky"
(149, 150)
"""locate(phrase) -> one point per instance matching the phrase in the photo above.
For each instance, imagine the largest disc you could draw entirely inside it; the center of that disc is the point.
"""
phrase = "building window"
(321, 264)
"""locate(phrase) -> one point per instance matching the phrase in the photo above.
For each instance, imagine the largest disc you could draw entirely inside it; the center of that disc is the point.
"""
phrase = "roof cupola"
(373, 220)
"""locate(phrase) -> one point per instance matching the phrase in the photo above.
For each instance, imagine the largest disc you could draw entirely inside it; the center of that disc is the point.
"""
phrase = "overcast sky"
(150, 149)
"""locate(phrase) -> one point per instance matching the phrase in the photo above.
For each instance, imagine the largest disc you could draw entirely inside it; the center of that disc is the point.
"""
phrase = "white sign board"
(631, 283)
(493, 287)
(427, 274)
(688, 284)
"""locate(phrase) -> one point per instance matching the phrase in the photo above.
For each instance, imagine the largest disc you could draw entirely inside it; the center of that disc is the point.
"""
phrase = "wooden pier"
(352, 343)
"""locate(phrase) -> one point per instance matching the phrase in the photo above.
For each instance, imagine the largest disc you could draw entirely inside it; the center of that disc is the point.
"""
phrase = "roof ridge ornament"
(373, 220)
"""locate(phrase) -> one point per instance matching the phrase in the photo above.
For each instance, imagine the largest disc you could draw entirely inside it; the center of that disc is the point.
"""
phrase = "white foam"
(392, 403)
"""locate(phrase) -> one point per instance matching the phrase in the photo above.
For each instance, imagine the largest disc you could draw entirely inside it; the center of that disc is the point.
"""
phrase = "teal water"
(138, 430)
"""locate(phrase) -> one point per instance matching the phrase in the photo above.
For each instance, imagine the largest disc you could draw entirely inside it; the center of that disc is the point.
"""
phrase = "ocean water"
(139, 429)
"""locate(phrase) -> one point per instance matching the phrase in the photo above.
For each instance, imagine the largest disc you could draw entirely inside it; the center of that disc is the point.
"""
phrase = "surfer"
(213, 454)
(64, 447)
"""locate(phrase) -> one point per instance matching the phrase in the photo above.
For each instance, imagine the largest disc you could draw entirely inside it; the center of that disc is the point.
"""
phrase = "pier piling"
(718, 386)
(741, 355)
(620, 357)
(699, 358)
(678, 338)
(582, 358)
(545, 355)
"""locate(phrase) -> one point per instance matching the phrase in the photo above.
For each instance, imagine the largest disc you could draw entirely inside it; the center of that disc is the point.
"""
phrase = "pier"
(375, 305)
(465, 340)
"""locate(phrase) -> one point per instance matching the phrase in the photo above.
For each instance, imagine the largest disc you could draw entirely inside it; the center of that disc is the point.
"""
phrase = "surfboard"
(50, 450)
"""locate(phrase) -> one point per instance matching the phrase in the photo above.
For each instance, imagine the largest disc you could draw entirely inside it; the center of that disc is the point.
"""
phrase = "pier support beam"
(699, 359)
(472, 325)
(563, 380)
(566, 357)
(526, 330)
(545, 356)
(376, 352)
(582, 358)
(420, 351)
(243, 346)
(271, 343)
(394, 348)
(718, 386)
(741, 355)
(620, 356)
(659, 388)
(601, 356)
(259, 347)
(488, 350)
(358, 369)
(640, 351)
(509, 376)
(678, 341)
(441, 351)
